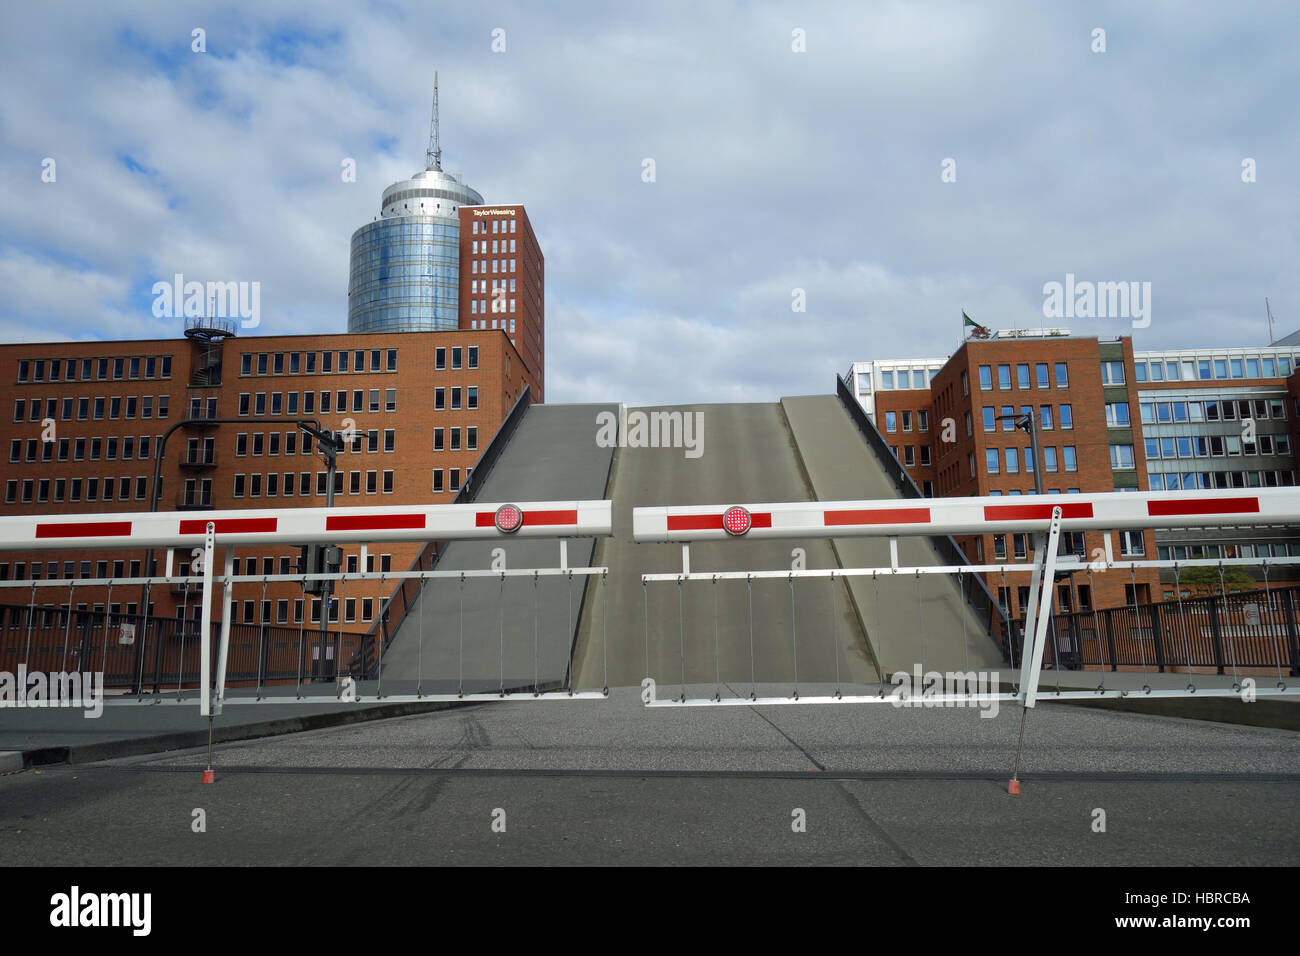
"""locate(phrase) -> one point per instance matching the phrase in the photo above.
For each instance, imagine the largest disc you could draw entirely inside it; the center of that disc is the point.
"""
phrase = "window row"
(331, 403)
(1227, 410)
(993, 459)
(1196, 480)
(128, 407)
(480, 266)
(1258, 549)
(305, 363)
(94, 369)
(470, 357)
(258, 444)
(452, 442)
(109, 448)
(1192, 370)
(480, 246)
(440, 396)
(1059, 374)
(921, 418)
(1048, 415)
(480, 226)
(72, 489)
(905, 378)
(1216, 446)
(273, 485)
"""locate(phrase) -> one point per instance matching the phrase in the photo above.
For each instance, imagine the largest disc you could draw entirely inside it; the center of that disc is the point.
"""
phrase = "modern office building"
(88, 419)
(1108, 419)
(436, 259)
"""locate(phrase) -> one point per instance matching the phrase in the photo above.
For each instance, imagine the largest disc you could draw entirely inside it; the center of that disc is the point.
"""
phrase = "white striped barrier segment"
(1111, 511)
(1042, 515)
(292, 526)
(230, 529)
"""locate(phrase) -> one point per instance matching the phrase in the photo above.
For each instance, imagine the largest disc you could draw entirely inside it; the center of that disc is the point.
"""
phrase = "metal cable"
(794, 638)
(1272, 627)
(31, 620)
(753, 680)
(67, 628)
(1182, 626)
(1232, 651)
(261, 640)
(835, 635)
(1137, 621)
(1096, 630)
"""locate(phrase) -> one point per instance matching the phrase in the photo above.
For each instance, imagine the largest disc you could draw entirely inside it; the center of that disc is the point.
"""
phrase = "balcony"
(204, 418)
(194, 500)
(199, 460)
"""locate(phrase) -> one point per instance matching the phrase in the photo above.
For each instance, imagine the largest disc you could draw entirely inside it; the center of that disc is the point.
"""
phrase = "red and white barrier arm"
(1111, 511)
(285, 526)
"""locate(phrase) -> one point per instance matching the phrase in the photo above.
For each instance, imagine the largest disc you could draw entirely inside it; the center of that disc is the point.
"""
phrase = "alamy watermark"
(1098, 300)
(193, 300)
(641, 429)
(917, 689)
(55, 689)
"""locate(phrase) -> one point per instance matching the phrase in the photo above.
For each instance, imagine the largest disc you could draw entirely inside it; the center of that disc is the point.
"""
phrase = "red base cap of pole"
(210, 777)
(1013, 787)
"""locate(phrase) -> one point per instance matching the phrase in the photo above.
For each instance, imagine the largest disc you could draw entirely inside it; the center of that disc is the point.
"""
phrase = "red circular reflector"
(736, 520)
(509, 519)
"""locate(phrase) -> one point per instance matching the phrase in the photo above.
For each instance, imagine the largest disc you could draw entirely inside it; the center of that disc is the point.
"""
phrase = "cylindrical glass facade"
(404, 275)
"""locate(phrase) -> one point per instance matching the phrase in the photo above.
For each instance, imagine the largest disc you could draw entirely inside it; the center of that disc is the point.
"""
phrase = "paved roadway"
(610, 782)
(748, 455)
(552, 456)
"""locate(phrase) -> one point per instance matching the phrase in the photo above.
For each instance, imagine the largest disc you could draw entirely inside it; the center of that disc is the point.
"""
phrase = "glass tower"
(405, 266)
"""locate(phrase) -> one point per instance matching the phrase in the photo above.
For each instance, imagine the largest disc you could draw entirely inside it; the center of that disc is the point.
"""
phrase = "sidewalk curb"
(160, 743)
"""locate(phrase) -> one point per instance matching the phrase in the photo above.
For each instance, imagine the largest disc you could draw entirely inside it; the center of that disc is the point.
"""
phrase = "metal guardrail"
(974, 591)
(364, 663)
(51, 639)
(1255, 630)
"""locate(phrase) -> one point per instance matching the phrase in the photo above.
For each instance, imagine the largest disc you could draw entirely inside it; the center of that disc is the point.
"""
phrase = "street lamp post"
(324, 439)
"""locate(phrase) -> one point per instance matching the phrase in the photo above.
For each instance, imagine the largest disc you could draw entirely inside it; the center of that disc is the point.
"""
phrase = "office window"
(1013, 461)
(1112, 373)
(1004, 376)
(471, 396)
(471, 355)
(991, 463)
(354, 482)
(439, 399)
(891, 421)
(1117, 414)
(453, 479)
(388, 481)
(1067, 416)
(1022, 376)
(1049, 458)
(1071, 459)
(1121, 457)
(986, 377)
(437, 481)
(1062, 375)
(907, 421)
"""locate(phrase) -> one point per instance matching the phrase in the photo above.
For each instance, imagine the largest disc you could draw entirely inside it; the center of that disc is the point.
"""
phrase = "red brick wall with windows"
(229, 456)
(1016, 364)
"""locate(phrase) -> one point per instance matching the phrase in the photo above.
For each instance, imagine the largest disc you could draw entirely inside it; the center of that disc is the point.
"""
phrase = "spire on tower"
(433, 155)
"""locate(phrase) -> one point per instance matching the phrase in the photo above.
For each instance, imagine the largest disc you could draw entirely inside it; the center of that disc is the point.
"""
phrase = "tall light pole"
(309, 425)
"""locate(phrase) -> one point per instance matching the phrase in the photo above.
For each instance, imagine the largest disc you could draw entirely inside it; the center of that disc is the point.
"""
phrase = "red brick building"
(84, 422)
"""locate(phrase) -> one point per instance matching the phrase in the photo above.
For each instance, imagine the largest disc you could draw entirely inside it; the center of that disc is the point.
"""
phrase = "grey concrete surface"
(907, 621)
(608, 782)
(552, 455)
(748, 455)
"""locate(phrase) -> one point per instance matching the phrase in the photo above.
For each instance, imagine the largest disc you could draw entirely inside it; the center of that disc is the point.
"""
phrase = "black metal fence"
(364, 662)
(1249, 630)
(163, 653)
(973, 588)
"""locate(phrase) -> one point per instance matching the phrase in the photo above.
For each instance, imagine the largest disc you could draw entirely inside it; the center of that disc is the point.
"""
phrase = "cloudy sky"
(776, 169)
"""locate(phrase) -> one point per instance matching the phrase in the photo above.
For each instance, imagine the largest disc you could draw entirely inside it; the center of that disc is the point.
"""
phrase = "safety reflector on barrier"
(959, 516)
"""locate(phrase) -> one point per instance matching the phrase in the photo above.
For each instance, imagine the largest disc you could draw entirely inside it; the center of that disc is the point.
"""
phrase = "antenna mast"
(433, 155)
(1269, 309)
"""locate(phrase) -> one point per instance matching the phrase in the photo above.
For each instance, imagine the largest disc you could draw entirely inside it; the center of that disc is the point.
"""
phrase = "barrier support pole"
(1031, 663)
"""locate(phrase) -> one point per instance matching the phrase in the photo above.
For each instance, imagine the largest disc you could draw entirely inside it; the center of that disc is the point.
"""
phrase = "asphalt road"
(459, 632)
(747, 455)
(610, 782)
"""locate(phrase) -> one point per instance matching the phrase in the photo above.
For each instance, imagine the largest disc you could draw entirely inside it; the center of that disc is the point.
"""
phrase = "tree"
(1206, 579)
